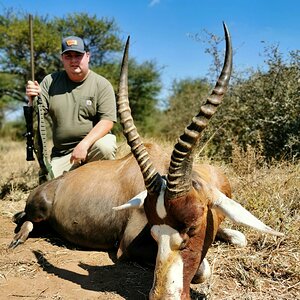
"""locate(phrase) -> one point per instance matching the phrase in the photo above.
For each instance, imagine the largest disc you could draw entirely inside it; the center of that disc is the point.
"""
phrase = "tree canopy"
(261, 110)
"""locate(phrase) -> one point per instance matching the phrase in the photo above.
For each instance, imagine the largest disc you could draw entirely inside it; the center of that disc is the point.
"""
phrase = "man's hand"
(79, 153)
(32, 89)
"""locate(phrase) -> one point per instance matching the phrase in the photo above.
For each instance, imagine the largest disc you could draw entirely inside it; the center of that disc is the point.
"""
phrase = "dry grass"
(17, 175)
(268, 268)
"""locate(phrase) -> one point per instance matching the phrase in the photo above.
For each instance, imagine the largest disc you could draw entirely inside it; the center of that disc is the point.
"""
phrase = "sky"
(163, 30)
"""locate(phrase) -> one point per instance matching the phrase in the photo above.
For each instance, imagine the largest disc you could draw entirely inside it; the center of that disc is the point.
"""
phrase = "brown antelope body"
(179, 204)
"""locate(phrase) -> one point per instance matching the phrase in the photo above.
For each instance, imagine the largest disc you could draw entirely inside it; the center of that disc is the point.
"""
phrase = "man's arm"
(80, 152)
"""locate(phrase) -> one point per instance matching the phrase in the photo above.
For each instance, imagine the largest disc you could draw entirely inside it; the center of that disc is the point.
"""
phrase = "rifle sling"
(45, 167)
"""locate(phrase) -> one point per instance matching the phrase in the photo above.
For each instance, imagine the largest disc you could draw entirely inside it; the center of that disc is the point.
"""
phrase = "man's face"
(76, 64)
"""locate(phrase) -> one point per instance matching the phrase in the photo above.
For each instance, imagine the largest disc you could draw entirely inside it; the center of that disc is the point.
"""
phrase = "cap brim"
(73, 50)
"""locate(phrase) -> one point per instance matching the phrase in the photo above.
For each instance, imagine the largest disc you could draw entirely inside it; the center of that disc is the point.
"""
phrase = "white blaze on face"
(160, 204)
(168, 277)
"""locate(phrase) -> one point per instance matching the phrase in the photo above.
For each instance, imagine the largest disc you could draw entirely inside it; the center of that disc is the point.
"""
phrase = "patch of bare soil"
(46, 268)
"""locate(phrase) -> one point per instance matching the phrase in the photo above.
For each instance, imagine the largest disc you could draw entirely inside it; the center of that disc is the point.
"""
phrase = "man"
(82, 107)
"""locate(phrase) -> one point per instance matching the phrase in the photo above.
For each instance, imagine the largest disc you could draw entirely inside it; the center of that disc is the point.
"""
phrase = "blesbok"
(175, 210)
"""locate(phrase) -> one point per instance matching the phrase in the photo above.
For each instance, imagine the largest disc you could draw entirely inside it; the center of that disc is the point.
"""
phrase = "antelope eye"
(197, 185)
(191, 231)
(183, 244)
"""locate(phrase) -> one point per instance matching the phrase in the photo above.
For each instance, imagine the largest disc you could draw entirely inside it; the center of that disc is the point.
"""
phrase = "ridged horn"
(179, 174)
(152, 178)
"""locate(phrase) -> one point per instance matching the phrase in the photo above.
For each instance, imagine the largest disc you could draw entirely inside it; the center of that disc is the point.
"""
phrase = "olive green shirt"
(75, 107)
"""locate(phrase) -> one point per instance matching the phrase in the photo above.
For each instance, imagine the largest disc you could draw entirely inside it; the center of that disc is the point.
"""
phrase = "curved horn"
(178, 180)
(152, 178)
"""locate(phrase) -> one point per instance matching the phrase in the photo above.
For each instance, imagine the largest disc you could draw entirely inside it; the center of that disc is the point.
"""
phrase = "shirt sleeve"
(106, 108)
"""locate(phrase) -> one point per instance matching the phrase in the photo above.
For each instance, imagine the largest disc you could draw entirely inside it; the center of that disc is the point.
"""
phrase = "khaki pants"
(104, 148)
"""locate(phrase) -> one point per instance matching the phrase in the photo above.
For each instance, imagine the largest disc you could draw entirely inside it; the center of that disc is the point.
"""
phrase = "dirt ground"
(46, 268)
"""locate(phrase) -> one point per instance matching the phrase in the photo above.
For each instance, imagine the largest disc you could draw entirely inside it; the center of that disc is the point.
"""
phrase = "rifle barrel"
(31, 47)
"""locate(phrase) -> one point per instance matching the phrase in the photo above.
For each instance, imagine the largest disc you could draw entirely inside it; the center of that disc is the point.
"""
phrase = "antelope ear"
(238, 214)
(135, 202)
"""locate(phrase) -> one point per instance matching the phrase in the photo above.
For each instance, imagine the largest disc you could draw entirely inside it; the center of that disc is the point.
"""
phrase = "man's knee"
(104, 148)
(61, 164)
(105, 151)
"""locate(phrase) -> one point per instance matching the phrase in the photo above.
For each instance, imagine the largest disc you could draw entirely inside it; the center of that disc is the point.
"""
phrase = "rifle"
(28, 110)
(28, 114)
(45, 172)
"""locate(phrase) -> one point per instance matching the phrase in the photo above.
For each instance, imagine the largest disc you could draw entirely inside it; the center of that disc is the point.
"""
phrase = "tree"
(269, 106)
(15, 46)
(184, 102)
(261, 109)
(144, 85)
(101, 36)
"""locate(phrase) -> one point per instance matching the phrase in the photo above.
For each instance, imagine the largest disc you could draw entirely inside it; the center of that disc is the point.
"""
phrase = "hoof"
(203, 272)
(22, 235)
(233, 237)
